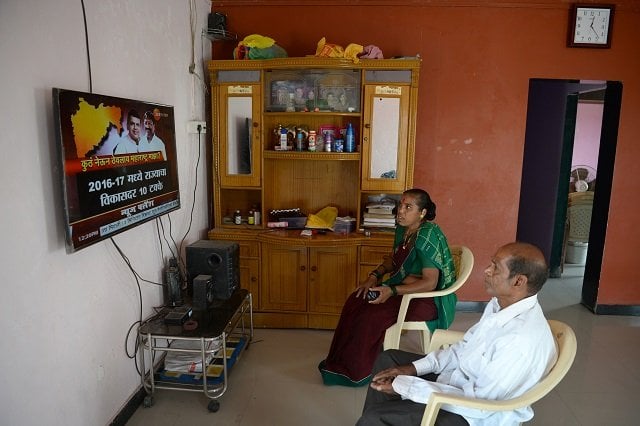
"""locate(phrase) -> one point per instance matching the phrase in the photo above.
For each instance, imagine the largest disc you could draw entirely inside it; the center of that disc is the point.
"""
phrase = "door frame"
(545, 168)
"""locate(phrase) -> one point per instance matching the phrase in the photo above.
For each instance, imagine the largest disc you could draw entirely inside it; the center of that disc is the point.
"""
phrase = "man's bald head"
(528, 260)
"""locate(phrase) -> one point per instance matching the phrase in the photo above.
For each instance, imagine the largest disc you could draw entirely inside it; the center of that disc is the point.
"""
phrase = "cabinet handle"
(256, 124)
(367, 126)
(254, 279)
(303, 268)
(313, 268)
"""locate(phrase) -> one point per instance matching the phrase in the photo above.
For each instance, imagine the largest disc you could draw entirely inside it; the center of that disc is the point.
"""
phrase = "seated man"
(506, 353)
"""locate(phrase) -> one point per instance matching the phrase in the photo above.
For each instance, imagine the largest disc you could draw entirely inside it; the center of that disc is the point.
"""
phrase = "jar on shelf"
(328, 142)
(311, 142)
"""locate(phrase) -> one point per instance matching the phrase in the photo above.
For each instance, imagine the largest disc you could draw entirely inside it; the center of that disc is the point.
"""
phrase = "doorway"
(548, 150)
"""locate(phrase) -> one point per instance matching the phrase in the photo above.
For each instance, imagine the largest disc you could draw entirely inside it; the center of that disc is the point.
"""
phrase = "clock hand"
(593, 29)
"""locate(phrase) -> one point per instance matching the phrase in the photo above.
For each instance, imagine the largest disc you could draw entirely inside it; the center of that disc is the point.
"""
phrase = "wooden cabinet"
(284, 278)
(332, 277)
(311, 280)
(301, 281)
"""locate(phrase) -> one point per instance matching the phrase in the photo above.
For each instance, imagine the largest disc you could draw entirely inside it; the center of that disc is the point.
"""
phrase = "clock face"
(592, 25)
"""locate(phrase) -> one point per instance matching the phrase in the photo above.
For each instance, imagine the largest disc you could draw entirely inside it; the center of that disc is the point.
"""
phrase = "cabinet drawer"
(373, 255)
(249, 249)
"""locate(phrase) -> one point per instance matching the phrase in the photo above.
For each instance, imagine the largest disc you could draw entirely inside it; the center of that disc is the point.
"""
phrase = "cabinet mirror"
(384, 138)
(239, 124)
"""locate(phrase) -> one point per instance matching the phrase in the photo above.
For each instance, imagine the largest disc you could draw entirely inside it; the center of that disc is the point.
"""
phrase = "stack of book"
(380, 215)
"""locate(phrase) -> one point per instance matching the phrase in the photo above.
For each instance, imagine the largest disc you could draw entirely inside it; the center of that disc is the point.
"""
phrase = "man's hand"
(383, 380)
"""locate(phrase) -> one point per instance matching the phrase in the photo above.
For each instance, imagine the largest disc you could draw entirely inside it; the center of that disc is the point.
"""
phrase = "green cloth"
(430, 247)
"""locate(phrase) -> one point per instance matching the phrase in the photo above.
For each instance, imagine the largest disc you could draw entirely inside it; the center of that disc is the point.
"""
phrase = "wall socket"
(192, 127)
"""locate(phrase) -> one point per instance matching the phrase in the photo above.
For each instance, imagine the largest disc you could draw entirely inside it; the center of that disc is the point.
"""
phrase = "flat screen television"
(117, 161)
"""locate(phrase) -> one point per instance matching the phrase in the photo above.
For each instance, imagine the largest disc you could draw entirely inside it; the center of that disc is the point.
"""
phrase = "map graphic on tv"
(118, 163)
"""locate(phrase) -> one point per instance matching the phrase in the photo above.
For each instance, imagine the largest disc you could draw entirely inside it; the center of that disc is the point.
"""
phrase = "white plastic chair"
(567, 347)
(463, 259)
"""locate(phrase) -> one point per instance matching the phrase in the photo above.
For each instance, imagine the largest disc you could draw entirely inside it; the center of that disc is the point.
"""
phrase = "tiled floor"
(276, 381)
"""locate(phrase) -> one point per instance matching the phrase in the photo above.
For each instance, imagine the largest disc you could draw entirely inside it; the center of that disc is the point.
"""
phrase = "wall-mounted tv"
(117, 161)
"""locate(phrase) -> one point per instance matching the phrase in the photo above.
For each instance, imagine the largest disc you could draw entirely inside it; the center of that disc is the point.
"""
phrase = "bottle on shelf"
(328, 142)
(300, 140)
(237, 217)
(350, 139)
(283, 139)
(311, 143)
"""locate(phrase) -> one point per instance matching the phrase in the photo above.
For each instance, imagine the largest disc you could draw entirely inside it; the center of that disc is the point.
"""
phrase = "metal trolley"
(224, 320)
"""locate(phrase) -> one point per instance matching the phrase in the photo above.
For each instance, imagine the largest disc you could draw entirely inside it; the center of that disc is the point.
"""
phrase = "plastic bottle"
(350, 139)
(312, 140)
(283, 139)
(328, 142)
(299, 141)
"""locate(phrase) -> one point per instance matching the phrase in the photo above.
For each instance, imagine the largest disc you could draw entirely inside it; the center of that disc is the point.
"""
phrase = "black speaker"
(202, 293)
(220, 259)
(217, 22)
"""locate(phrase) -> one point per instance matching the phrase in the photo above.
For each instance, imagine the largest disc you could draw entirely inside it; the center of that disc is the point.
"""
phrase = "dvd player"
(178, 315)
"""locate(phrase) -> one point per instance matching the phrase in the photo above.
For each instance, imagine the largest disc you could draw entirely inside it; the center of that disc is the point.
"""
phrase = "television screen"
(118, 163)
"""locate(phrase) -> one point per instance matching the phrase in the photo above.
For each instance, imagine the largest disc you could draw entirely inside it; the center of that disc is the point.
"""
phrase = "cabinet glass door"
(239, 134)
(385, 137)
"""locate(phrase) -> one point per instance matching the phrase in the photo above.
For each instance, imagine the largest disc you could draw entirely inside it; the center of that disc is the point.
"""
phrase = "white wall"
(586, 143)
(65, 317)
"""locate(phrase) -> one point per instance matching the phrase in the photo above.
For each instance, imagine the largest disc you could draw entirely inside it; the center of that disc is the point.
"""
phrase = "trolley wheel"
(148, 401)
(214, 406)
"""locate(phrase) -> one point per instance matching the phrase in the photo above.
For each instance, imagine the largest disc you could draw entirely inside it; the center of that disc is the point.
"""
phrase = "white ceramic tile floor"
(276, 382)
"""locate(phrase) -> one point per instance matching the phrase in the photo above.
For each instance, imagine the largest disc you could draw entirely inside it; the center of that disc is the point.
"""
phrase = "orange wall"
(478, 58)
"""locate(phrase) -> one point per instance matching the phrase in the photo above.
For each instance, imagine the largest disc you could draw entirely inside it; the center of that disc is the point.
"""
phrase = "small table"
(224, 320)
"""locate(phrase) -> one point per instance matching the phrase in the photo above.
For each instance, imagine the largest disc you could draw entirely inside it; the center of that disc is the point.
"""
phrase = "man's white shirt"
(505, 354)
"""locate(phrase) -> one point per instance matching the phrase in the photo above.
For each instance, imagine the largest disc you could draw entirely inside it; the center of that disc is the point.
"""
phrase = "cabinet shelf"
(219, 35)
(297, 155)
(312, 113)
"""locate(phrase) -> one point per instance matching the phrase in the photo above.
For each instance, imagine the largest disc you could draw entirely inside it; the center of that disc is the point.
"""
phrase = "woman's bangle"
(394, 290)
(377, 272)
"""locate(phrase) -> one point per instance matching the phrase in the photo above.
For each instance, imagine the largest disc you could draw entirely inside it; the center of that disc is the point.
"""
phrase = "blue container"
(350, 139)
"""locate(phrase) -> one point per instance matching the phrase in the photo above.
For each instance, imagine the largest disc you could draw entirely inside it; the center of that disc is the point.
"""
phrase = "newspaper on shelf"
(190, 362)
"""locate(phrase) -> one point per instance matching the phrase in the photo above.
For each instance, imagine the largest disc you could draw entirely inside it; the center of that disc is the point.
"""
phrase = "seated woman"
(421, 261)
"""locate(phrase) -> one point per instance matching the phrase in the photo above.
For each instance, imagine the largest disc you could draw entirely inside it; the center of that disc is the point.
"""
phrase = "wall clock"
(590, 25)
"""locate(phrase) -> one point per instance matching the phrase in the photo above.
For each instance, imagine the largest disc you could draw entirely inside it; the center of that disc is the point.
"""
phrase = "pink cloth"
(371, 52)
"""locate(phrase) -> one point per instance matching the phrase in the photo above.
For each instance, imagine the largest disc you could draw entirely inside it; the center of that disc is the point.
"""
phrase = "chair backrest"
(463, 260)
(567, 347)
(581, 197)
(580, 221)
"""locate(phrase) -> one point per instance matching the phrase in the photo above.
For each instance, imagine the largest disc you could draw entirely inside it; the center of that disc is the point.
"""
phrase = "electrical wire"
(159, 224)
(139, 321)
(86, 39)
(195, 187)
(159, 239)
(193, 22)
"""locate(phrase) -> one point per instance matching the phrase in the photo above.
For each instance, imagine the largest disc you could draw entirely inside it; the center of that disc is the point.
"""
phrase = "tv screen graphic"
(118, 163)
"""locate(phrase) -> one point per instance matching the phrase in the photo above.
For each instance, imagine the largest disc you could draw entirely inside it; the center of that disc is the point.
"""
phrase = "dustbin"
(576, 252)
